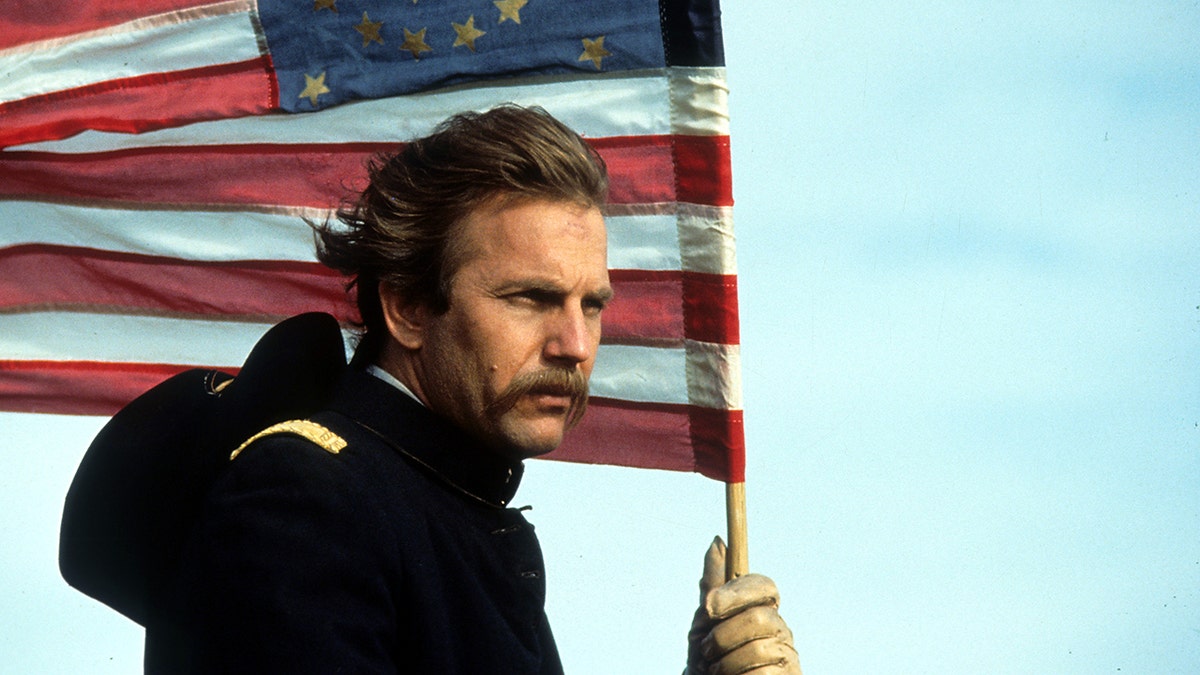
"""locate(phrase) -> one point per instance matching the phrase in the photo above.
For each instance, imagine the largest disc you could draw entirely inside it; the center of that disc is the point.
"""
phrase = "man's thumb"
(714, 568)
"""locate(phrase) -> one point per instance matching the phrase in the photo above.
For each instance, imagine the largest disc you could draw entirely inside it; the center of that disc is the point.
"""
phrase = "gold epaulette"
(326, 439)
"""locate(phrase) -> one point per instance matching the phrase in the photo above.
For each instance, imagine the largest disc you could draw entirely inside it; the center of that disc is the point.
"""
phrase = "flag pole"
(737, 555)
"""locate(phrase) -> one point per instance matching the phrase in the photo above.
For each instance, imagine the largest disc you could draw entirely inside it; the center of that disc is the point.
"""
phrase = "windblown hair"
(402, 229)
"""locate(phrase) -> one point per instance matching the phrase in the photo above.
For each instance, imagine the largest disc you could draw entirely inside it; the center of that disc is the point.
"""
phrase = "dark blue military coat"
(399, 554)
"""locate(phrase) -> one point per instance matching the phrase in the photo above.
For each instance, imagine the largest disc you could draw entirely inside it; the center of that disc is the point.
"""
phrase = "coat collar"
(428, 440)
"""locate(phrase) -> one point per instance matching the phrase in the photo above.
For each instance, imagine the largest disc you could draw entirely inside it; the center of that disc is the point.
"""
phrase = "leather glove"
(737, 628)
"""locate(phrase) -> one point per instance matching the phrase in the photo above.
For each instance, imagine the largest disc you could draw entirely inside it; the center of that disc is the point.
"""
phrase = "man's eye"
(594, 307)
(531, 298)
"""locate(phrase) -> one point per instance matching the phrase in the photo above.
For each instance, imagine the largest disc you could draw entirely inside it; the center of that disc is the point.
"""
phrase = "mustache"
(552, 381)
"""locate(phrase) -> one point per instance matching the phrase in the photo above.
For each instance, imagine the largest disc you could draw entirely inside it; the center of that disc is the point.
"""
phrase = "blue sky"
(968, 249)
(968, 257)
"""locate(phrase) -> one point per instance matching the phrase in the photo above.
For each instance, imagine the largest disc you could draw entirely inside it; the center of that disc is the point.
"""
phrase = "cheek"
(502, 372)
(491, 362)
(505, 346)
(511, 348)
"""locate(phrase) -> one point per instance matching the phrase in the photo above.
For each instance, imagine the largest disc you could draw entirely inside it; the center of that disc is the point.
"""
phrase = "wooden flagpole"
(737, 555)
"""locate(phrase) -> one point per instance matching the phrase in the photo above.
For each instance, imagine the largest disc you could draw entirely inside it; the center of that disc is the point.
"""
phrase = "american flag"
(158, 157)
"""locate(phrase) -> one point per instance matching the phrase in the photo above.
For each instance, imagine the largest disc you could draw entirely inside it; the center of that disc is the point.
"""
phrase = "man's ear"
(406, 320)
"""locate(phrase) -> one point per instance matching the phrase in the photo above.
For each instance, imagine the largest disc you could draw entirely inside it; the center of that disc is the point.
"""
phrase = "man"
(384, 541)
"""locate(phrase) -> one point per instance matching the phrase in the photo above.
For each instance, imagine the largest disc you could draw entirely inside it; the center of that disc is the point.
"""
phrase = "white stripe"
(714, 375)
(643, 242)
(701, 101)
(187, 235)
(688, 237)
(645, 374)
(628, 104)
(634, 242)
(118, 337)
(706, 239)
(191, 38)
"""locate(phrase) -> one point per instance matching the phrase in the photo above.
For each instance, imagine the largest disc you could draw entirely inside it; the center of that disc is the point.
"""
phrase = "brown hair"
(401, 229)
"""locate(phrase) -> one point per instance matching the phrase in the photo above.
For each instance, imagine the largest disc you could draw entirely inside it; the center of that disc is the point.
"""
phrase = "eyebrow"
(603, 295)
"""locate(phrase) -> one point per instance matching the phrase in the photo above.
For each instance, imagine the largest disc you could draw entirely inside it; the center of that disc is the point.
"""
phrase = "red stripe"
(696, 305)
(68, 277)
(205, 175)
(144, 103)
(710, 307)
(312, 175)
(647, 308)
(77, 387)
(658, 436)
(30, 21)
(720, 443)
(644, 435)
(704, 170)
(639, 168)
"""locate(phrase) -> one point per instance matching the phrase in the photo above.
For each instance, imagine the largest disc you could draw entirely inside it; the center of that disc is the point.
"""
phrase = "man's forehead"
(525, 225)
(556, 247)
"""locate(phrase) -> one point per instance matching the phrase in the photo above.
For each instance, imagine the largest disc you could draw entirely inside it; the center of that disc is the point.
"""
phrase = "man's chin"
(534, 438)
(532, 428)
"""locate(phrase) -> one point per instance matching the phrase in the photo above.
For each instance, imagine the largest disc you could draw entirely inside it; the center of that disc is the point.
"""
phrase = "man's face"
(510, 359)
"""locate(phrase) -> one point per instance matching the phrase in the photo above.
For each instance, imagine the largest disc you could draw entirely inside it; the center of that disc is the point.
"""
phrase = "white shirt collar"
(392, 380)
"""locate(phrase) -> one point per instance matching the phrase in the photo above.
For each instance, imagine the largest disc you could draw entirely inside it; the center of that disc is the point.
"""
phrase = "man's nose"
(571, 339)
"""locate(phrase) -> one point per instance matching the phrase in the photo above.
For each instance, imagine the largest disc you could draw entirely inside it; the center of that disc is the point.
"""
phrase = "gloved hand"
(737, 628)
